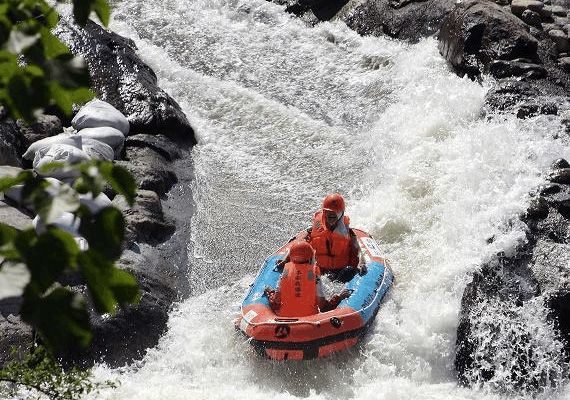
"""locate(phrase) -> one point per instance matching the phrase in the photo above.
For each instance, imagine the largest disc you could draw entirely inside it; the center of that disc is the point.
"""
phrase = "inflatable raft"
(321, 334)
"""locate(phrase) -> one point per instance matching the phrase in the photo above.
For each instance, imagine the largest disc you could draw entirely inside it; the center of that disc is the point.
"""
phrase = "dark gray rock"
(520, 6)
(505, 69)
(532, 18)
(531, 110)
(514, 327)
(408, 20)
(560, 163)
(477, 33)
(45, 126)
(11, 143)
(134, 329)
(13, 334)
(150, 169)
(560, 39)
(145, 220)
(560, 175)
(121, 78)
(160, 144)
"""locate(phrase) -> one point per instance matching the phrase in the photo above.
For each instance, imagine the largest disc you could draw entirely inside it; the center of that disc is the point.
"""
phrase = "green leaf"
(120, 180)
(7, 234)
(60, 318)
(47, 255)
(7, 182)
(104, 232)
(103, 11)
(109, 286)
(53, 47)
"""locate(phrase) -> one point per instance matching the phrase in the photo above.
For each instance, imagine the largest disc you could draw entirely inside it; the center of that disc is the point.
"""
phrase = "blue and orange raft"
(321, 334)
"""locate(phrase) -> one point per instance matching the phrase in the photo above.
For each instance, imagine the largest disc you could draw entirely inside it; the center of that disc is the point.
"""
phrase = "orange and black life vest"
(298, 290)
(333, 249)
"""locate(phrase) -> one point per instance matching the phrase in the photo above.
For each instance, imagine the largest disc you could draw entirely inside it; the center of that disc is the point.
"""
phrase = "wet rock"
(561, 175)
(559, 305)
(532, 18)
(160, 144)
(504, 69)
(45, 126)
(134, 329)
(497, 303)
(564, 63)
(560, 163)
(531, 110)
(13, 334)
(121, 78)
(546, 14)
(561, 40)
(403, 20)
(519, 6)
(559, 11)
(477, 33)
(150, 169)
(11, 144)
(145, 220)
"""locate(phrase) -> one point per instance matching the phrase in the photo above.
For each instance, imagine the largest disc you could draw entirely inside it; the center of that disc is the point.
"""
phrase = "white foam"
(286, 113)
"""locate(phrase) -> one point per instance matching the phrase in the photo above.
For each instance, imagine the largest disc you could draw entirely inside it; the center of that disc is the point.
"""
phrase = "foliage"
(58, 314)
(36, 69)
(41, 373)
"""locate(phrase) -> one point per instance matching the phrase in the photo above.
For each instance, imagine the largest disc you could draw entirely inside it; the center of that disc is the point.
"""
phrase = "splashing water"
(286, 113)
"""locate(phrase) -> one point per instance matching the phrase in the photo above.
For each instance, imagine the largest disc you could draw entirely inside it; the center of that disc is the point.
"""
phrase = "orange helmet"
(301, 252)
(334, 202)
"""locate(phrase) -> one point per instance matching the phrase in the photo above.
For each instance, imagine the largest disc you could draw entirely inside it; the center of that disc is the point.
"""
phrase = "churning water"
(286, 113)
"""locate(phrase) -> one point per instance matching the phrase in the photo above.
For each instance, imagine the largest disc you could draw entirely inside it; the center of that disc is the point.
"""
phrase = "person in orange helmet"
(336, 247)
(300, 293)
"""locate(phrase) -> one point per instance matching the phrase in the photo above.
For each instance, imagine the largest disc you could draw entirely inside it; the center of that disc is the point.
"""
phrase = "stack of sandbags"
(99, 132)
(101, 121)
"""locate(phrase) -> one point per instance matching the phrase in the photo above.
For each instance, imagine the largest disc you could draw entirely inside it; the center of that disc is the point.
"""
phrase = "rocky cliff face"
(507, 350)
(160, 134)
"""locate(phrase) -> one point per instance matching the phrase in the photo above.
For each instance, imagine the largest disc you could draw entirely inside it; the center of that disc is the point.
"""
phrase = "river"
(286, 113)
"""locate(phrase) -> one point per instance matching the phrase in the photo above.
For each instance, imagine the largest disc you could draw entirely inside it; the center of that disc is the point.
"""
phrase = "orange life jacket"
(298, 290)
(333, 249)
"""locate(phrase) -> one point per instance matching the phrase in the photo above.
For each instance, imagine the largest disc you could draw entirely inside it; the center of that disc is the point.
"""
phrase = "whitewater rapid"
(286, 113)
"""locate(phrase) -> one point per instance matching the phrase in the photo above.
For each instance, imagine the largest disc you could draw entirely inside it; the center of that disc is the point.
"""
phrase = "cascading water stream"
(286, 113)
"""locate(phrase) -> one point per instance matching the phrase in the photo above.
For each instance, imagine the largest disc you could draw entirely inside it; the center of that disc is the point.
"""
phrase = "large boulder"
(136, 328)
(514, 328)
(122, 79)
(150, 169)
(145, 220)
(477, 33)
(403, 19)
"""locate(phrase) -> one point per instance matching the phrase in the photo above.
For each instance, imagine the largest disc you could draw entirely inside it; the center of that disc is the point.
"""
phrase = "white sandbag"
(95, 204)
(106, 134)
(96, 149)
(66, 222)
(99, 113)
(44, 144)
(15, 192)
(59, 153)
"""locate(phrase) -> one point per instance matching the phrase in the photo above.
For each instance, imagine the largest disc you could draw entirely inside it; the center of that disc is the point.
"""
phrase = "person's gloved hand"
(362, 269)
(268, 291)
(344, 294)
